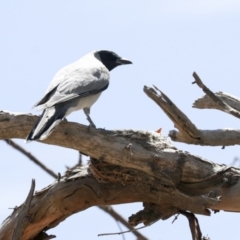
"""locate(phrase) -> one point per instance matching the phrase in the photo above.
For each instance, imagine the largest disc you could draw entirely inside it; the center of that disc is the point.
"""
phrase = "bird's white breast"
(85, 102)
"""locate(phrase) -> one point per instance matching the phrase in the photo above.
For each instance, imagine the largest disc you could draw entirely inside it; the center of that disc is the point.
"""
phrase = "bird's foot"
(91, 126)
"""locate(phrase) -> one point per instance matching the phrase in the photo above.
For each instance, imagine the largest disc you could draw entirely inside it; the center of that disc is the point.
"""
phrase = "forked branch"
(187, 131)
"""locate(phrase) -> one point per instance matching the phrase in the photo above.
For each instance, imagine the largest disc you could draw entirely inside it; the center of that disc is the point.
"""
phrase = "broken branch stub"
(214, 97)
(187, 131)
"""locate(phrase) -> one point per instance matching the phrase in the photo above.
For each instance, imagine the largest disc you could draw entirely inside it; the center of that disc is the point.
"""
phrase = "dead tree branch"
(107, 209)
(31, 157)
(23, 218)
(206, 102)
(222, 105)
(188, 132)
(129, 166)
(194, 225)
(119, 218)
(154, 172)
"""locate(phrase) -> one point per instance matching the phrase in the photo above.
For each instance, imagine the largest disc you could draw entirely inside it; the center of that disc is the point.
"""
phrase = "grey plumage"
(76, 86)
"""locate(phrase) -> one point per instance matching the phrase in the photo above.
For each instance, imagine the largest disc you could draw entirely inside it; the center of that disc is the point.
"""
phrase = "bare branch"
(93, 142)
(188, 132)
(23, 218)
(218, 101)
(194, 225)
(128, 166)
(206, 102)
(44, 236)
(80, 190)
(154, 172)
(116, 216)
(180, 120)
(31, 157)
(107, 209)
(180, 181)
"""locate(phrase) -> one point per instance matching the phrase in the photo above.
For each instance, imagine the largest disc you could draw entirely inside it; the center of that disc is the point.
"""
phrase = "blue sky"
(165, 40)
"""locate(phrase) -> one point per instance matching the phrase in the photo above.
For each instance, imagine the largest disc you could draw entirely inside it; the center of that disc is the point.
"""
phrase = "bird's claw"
(91, 126)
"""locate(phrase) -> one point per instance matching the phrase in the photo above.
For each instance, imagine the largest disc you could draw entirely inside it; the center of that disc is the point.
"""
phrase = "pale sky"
(166, 41)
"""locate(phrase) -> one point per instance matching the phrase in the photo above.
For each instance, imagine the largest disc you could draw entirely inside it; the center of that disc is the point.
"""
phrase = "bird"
(76, 86)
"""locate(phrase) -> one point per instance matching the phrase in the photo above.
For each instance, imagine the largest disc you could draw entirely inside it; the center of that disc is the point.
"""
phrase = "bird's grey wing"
(46, 97)
(79, 83)
(58, 78)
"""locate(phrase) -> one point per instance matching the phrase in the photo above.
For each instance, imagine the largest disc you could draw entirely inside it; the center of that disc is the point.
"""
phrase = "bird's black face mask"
(111, 59)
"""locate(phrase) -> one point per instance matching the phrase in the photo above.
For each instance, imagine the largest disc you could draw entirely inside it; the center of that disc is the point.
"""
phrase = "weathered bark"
(218, 101)
(187, 131)
(126, 166)
(206, 102)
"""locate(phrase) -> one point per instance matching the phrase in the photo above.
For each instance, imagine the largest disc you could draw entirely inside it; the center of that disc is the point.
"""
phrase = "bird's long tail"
(49, 119)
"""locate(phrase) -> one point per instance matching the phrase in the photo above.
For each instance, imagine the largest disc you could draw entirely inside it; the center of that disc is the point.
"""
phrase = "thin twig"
(31, 157)
(175, 218)
(116, 216)
(134, 230)
(120, 228)
(193, 224)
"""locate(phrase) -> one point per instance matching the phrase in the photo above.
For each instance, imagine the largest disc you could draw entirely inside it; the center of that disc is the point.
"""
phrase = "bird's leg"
(87, 112)
(90, 121)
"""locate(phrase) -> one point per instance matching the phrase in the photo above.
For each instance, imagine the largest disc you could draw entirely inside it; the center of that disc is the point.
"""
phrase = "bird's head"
(110, 59)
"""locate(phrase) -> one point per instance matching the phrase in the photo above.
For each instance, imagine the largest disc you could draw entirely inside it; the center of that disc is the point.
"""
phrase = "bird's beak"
(122, 61)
